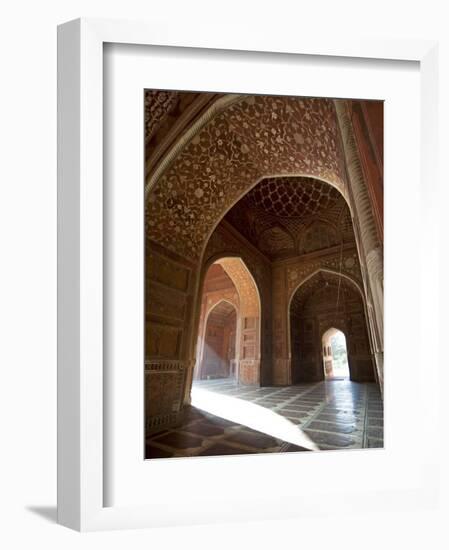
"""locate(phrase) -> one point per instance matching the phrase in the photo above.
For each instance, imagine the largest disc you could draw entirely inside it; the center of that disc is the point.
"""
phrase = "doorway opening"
(228, 345)
(335, 355)
(219, 351)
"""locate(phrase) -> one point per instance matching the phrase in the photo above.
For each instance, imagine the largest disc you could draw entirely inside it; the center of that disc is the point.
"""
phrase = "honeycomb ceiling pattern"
(293, 197)
(278, 214)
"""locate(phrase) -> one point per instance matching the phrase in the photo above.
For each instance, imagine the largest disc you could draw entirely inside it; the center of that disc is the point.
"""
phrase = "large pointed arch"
(248, 307)
(330, 272)
(323, 300)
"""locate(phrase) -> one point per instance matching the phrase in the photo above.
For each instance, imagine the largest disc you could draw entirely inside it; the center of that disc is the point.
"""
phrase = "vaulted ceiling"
(287, 216)
(217, 279)
(292, 197)
(222, 314)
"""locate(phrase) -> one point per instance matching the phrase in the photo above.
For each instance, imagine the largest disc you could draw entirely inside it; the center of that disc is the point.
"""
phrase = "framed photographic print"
(261, 334)
(223, 255)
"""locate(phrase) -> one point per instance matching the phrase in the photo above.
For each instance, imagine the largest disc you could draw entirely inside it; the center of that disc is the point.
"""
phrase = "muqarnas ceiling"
(289, 216)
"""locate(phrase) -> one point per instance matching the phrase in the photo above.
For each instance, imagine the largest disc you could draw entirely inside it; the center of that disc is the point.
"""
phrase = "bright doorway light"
(335, 355)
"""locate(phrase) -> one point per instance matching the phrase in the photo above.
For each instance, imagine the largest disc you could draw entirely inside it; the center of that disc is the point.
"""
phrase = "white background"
(28, 274)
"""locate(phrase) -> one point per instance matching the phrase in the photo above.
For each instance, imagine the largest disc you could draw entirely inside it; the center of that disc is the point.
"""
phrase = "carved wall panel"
(249, 371)
(164, 383)
(249, 361)
(163, 341)
(168, 296)
(163, 270)
(164, 302)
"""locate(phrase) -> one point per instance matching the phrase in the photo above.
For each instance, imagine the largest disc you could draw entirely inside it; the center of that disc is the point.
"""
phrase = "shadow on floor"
(47, 512)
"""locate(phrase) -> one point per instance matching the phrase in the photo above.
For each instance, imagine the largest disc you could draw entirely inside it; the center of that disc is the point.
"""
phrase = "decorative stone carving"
(164, 381)
(243, 282)
(287, 216)
(345, 262)
(276, 240)
(158, 104)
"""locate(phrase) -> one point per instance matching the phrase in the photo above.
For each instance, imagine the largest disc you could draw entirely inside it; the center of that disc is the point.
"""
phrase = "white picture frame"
(81, 406)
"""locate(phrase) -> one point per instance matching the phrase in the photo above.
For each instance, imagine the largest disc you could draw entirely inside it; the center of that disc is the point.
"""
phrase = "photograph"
(264, 237)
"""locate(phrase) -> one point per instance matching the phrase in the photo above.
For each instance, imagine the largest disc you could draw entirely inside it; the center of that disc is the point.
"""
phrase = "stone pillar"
(281, 360)
(370, 247)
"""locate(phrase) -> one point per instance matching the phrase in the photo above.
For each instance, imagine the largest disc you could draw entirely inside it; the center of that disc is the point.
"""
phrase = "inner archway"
(335, 355)
(324, 301)
(228, 344)
(219, 351)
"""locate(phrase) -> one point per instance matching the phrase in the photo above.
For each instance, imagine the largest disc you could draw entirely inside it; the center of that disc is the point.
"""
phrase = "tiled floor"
(336, 414)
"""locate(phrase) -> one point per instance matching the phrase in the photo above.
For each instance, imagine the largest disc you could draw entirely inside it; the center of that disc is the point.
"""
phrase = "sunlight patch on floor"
(251, 415)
